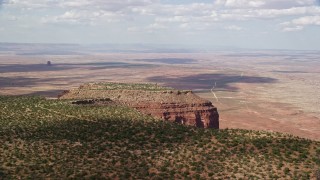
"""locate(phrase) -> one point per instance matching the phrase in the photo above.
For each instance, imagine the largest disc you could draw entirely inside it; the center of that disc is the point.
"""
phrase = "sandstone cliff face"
(177, 106)
(202, 115)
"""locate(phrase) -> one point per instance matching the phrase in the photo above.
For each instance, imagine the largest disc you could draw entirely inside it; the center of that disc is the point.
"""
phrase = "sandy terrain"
(267, 90)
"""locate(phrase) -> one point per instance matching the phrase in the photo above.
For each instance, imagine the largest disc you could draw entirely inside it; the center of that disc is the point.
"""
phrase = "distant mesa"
(182, 107)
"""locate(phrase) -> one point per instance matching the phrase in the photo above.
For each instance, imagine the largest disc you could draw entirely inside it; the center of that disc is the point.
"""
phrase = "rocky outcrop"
(177, 106)
(203, 115)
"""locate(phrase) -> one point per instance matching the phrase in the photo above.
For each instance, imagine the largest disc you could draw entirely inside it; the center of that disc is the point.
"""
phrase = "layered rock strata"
(202, 115)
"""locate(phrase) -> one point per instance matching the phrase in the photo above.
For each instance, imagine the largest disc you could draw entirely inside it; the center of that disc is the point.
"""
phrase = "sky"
(254, 24)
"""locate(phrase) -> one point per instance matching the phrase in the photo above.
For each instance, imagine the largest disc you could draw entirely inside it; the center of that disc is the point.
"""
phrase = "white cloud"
(300, 23)
(82, 17)
(177, 19)
(292, 29)
(272, 4)
(79, 3)
(112, 5)
(307, 20)
(31, 4)
(156, 26)
(240, 3)
(133, 29)
(247, 14)
(142, 11)
(233, 28)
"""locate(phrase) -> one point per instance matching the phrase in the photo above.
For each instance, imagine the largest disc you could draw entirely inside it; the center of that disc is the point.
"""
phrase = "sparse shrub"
(317, 174)
(286, 171)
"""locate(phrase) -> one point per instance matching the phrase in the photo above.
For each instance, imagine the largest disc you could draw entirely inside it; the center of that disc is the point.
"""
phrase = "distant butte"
(182, 107)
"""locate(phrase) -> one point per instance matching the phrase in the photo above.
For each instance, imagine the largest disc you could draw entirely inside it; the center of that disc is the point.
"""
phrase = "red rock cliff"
(202, 115)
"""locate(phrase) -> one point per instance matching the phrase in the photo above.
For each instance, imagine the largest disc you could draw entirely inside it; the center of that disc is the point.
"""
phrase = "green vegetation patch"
(54, 139)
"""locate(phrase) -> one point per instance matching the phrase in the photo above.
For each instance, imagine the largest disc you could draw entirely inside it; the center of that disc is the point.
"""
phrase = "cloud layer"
(93, 11)
(151, 16)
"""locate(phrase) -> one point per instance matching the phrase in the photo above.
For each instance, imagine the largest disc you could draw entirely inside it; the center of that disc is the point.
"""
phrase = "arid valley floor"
(260, 90)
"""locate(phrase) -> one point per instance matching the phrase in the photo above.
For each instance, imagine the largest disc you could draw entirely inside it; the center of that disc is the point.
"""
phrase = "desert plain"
(271, 90)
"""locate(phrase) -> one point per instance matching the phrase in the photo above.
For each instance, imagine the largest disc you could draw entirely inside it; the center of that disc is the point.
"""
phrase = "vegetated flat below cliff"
(183, 107)
(54, 139)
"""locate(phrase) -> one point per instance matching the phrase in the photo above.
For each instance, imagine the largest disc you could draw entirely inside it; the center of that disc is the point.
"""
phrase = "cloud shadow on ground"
(11, 68)
(207, 81)
(169, 60)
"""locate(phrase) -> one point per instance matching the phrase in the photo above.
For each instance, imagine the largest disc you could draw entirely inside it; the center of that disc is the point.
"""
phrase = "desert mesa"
(271, 91)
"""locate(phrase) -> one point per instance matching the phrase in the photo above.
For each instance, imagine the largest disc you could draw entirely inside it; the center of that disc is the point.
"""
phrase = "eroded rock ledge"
(178, 106)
